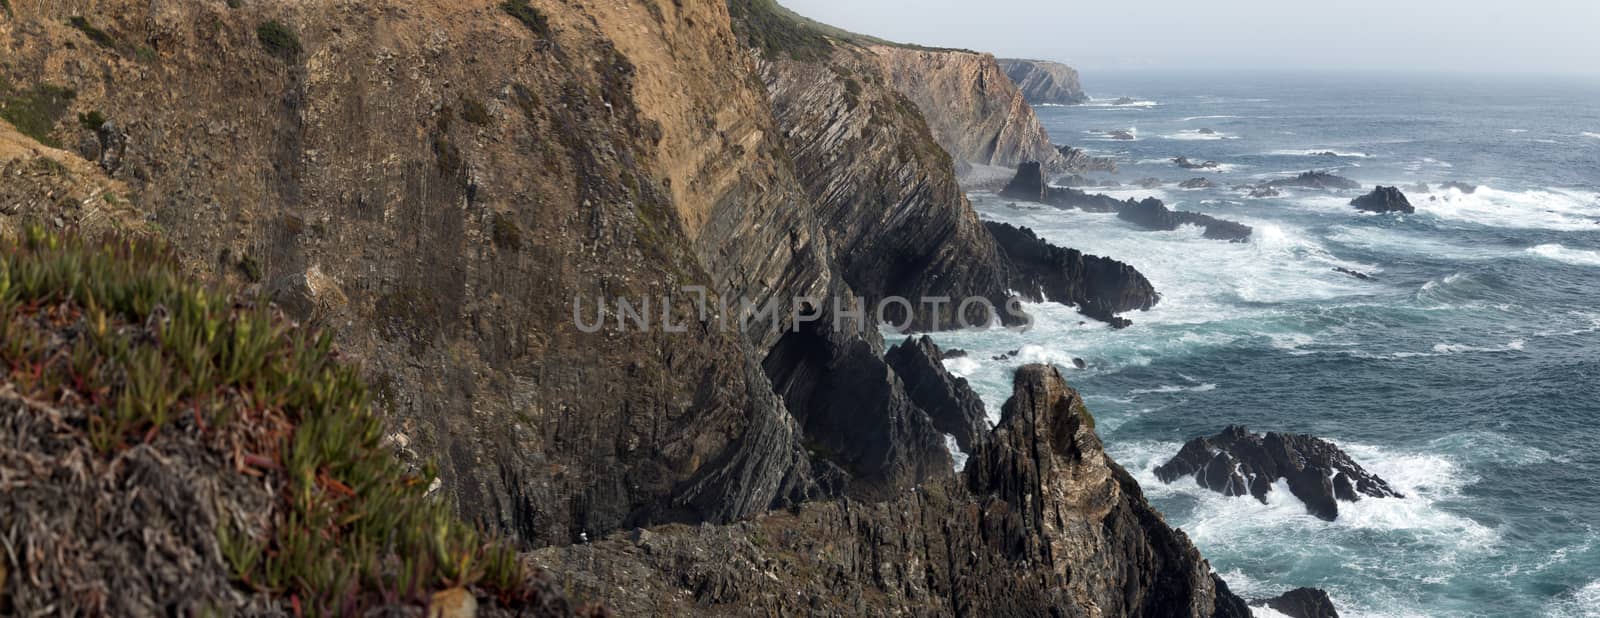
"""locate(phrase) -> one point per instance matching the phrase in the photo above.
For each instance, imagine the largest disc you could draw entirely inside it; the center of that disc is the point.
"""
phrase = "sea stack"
(1383, 199)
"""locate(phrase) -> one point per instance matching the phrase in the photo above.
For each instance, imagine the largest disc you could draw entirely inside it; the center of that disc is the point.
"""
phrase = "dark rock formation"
(1354, 273)
(1301, 603)
(1099, 287)
(1148, 182)
(1315, 180)
(1197, 183)
(955, 353)
(1207, 131)
(1150, 213)
(1044, 82)
(1080, 363)
(1325, 153)
(945, 398)
(1185, 163)
(1124, 101)
(1120, 134)
(1383, 199)
(1460, 186)
(1236, 462)
(1261, 192)
(1040, 509)
(1077, 159)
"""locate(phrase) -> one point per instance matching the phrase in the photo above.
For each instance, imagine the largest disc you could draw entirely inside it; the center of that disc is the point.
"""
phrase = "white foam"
(1559, 253)
(1193, 118)
(1516, 130)
(1584, 603)
(1112, 103)
(1591, 134)
(1446, 349)
(1551, 209)
(1171, 388)
(961, 367)
(956, 456)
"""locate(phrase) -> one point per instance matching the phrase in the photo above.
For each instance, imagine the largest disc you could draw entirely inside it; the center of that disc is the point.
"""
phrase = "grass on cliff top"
(113, 327)
(777, 31)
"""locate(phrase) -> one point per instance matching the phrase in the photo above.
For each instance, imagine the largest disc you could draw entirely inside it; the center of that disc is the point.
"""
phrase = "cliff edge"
(1043, 82)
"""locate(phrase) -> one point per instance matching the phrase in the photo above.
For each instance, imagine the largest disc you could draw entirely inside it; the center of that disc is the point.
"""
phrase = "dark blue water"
(1468, 373)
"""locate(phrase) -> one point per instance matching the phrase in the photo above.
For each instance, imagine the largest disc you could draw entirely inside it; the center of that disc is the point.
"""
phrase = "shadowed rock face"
(1383, 199)
(1301, 603)
(1100, 287)
(1236, 462)
(1151, 213)
(1040, 508)
(947, 400)
(1044, 82)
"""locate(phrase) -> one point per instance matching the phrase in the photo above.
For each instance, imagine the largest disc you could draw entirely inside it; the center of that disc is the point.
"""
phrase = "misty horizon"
(1434, 36)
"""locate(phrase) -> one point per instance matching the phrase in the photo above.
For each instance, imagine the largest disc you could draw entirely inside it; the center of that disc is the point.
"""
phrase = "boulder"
(1197, 183)
(1301, 603)
(1316, 180)
(955, 353)
(1207, 131)
(1383, 199)
(1122, 134)
(1148, 182)
(1235, 462)
(947, 399)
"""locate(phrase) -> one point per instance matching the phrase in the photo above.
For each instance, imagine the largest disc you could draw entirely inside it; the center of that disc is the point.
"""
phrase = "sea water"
(1467, 373)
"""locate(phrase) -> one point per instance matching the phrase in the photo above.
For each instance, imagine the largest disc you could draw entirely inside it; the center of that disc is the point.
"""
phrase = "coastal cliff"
(453, 189)
(1043, 82)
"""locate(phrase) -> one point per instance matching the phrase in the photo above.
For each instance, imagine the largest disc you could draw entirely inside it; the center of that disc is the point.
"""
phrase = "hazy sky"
(1547, 36)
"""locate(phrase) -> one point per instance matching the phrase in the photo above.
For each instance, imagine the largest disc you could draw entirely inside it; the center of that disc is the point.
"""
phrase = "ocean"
(1467, 373)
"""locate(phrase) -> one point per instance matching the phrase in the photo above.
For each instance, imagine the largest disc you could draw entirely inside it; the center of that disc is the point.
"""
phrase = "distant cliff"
(973, 109)
(1044, 82)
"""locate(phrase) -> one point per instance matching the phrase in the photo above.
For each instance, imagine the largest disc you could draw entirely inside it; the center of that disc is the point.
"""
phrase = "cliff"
(453, 188)
(972, 108)
(1043, 82)
(1041, 523)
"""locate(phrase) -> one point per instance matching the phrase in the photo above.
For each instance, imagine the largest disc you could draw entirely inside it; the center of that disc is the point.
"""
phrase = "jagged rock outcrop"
(1150, 213)
(1077, 159)
(973, 109)
(1301, 603)
(947, 400)
(1384, 199)
(1236, 462)
(1315, 180)
(1100, 287)
(1185, 163)
(1041, 509)
(1043, 82)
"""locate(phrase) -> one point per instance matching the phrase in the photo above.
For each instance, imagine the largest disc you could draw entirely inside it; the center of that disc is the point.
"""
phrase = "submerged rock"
(1124, 101)
(1122, 134)
(1301, 603)
(1148, 182)
(1354, 273)
(1383, 199)
(1028, 184)
(1262, 192)
(1316, 180)
(1197, 183)
(1236, 462)
(1185, 163)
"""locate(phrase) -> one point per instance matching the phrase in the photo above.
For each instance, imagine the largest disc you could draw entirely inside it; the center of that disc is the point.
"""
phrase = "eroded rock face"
(1044, 82)
(1100, 287)
(947, 400)
(972, 108)
(1236, 462)
(1040, 509)
(1383, 199)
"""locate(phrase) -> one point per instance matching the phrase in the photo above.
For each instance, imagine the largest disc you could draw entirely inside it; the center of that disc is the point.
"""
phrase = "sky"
(1473, 36)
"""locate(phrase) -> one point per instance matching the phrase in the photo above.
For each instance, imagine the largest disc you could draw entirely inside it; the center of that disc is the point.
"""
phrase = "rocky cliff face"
(454, 188)
(1044, 82)
(973, 109)
(1040, 502)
